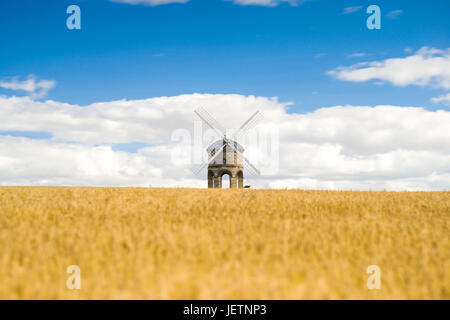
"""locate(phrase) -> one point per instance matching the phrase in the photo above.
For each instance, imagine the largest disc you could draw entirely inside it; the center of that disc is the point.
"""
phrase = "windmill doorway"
(226, 180)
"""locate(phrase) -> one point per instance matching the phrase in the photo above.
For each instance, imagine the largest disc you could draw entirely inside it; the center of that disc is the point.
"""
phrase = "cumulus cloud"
(444, 99)
(340, 147)
(150, 120)
(427, 67)
(150, 2)
(354, 9)
(38, 162)
(36, 88)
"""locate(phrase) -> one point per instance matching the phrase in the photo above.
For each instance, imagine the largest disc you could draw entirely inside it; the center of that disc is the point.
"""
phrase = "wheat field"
(139, 243)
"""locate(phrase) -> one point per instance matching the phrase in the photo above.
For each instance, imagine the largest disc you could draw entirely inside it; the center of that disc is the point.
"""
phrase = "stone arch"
(222, 173)
(226, 181)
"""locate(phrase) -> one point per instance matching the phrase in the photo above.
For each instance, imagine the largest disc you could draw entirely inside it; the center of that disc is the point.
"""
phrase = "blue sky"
(213, 46)
(347, 107)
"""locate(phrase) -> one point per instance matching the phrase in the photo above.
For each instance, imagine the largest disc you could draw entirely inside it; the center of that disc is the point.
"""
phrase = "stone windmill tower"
(225, 156)
(225, 160)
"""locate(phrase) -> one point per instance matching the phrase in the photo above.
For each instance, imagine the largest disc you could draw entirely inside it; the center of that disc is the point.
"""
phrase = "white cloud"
(427, 67)
(341, 147)
(394, 14)
(268, 3)
(36, 88)
(150, 120)
(444, 99)
(354, 9)
(38, 162)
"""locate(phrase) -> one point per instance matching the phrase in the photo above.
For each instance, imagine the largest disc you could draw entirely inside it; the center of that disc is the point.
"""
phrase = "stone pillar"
(233, 182)
(210, 179)
(240, 178)
(217, 181)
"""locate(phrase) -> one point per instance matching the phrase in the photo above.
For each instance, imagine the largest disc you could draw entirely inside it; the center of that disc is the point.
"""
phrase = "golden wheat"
(222, 244)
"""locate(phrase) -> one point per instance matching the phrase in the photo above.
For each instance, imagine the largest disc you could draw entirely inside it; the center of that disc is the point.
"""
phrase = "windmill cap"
(219, 143)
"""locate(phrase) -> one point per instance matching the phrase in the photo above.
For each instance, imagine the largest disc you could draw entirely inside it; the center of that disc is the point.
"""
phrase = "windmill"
(225, 156)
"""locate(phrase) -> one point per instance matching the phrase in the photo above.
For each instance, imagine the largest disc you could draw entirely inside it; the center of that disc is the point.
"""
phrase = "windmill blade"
(210, 121)
(249, 124)
(204, 164)
(247, 162)
(257, 116)
(251, 168)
